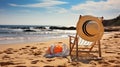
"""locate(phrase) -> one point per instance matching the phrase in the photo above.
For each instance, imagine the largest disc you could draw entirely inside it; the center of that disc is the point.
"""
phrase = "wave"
(8, 35)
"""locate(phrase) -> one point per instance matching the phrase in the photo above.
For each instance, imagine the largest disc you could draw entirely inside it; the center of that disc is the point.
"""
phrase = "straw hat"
(90, 28)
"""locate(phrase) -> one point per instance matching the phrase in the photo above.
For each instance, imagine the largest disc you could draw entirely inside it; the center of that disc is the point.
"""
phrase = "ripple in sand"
(93, 62)
(50, 60)
(61, 66)
(75, 64)
(103, 62)
(20, 66)
(6, 63)
(48, 66)
(114, 61)
(117, 65)
(105, 65)
(44, 61)
(34, 61)
(110, 51)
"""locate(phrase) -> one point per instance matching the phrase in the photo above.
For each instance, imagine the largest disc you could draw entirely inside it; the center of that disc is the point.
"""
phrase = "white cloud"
(51, 6)
(43, 4)
(58, 10)
(109, 8)
(11, 4)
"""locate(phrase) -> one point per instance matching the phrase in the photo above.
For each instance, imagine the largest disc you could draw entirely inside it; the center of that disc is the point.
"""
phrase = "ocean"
(10, 34)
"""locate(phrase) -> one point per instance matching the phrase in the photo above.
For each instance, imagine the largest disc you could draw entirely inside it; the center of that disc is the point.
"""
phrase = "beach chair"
(89, 31)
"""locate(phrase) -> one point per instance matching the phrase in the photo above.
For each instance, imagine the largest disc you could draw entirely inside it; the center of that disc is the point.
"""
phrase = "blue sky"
(54, 12)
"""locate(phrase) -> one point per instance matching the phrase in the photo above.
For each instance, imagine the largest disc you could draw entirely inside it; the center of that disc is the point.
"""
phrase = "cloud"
(51, 6)
(43, 4)
(109, 4)
(58, 10)
(107, 8)
(13, 4)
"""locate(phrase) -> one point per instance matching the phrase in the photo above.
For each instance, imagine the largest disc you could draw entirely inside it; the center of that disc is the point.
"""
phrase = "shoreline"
(23, 42)
(34, 43)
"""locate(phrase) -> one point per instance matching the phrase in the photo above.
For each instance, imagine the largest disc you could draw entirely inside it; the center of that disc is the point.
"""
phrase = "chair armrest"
(71, 36)
(71, 39)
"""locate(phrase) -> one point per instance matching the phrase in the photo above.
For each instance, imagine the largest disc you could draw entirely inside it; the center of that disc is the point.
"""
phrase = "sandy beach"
(32, 54)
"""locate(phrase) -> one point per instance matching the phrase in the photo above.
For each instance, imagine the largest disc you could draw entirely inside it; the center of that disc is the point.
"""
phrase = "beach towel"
(57, 50)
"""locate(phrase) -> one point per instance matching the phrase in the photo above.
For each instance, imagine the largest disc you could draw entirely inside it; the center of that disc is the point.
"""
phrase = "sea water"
(15, 34)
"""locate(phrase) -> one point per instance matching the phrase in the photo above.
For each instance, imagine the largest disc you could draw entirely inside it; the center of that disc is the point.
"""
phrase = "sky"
(54, 12)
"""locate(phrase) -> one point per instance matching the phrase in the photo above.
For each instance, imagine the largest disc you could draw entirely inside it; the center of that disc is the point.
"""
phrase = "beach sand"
(32, 54)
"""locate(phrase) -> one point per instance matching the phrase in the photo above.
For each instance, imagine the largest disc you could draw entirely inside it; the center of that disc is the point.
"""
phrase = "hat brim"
(82, 34)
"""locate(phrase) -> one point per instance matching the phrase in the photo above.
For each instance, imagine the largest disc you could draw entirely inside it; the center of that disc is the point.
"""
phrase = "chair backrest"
(83, 42)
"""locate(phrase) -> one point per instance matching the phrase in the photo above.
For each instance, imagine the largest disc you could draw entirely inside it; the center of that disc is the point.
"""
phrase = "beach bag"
(57, 50)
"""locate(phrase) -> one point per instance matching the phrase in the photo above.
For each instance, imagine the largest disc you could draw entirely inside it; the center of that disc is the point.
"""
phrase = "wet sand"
(31, 54)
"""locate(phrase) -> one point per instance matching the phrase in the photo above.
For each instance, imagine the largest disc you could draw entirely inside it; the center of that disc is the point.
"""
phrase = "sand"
(32, 54)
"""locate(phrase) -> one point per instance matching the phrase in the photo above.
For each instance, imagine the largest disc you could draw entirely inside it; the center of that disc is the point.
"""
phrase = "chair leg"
(70, 45)
(76, 49)
(99, 47)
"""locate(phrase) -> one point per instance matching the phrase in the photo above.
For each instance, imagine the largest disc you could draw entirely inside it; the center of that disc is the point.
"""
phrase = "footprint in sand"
(118, 53)
(9, 51)
(23, 48)
(15, 50)
(6, 57)
(27, 46)
(37, 52)
(33, 47)
(118, 57)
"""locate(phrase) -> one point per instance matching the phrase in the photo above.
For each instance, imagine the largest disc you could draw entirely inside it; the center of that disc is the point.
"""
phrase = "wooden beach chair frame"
(75, 45)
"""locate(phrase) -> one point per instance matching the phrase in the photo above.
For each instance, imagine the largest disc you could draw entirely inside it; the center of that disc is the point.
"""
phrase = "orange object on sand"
(56, 49)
